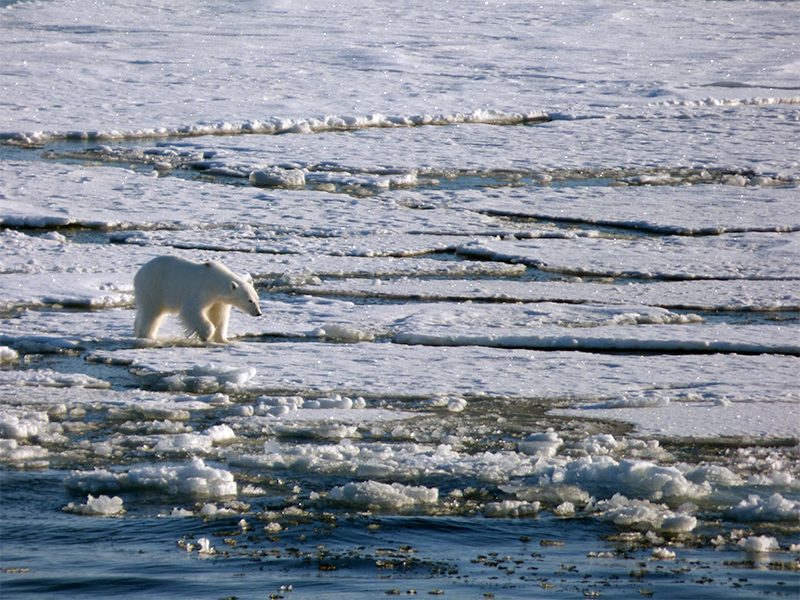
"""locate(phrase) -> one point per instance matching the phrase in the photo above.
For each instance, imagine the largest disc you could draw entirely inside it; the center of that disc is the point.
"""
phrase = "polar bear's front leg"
(196, 322)
(219, 314)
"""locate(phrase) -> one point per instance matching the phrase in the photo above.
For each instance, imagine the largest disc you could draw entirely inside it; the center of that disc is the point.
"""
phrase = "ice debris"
(194, 479)
(280, 178)
(210, 379)
(541, 444)
(511, 508)
(343, 333)
(374, 495)
(451, 403)
(102, 506)
(49, 378)
(774, 508)
(17, 424)
(8, 355)
(662, 554)
(194, 443)
(759, 544)
(642, 515)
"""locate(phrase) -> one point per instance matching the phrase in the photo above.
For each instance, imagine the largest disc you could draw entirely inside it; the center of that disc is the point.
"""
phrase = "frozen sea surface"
(530, 286)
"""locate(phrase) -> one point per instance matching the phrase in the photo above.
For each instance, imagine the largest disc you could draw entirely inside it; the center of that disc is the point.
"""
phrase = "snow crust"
(378, 70)
(699, 419)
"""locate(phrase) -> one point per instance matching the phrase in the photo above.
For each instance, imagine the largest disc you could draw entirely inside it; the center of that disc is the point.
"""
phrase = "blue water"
(49, 553)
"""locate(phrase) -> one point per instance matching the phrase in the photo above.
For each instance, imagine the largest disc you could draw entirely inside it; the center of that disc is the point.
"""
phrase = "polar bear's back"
(170, 280)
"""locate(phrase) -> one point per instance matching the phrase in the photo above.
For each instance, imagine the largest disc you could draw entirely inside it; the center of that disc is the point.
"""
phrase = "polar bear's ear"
(234, 285)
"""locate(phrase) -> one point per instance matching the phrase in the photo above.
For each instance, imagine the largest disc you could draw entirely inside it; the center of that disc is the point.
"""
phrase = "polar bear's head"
(239, 290)
(244, 297)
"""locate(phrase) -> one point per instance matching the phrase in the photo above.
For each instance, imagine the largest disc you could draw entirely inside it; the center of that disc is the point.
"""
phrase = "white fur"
(201, 294)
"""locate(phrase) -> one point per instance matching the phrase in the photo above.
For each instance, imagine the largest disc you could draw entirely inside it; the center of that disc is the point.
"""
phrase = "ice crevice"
(370, 179)
(641, 227)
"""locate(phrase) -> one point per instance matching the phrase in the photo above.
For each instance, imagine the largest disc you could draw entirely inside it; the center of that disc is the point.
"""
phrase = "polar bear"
(200, 293)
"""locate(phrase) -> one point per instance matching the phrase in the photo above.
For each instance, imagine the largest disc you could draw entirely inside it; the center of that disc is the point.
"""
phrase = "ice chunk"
(47, 377)
(759, 543)
(642, 400)
(374, 495)
(9, 450)
(628, 475)
(194, 479)
(344, 333)
(102, 506)
(510, 508)
(210, 379)
(220, 433)
(200, 480)
(642, 514)
(8, 355)
(335, 402)
(243, 410)
(299, 279)
(235, 376)
(550, 494)
(456, 404)
(188, 443)
(781, 478)
(404, 180)
(662, 554)
(774, 508)
(680, 523)
(282, 178)
(565, 509)
(715, 474)
(541, 444)
(451, 403)
(20, 425)
(603, 443)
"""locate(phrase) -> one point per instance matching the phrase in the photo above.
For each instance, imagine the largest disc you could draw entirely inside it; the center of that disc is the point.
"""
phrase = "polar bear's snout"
(254, 308)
